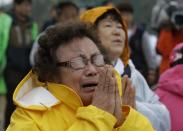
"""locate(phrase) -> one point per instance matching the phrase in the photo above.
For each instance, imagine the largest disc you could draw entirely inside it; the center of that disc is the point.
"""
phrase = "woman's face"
(112, 37)
(82, 81)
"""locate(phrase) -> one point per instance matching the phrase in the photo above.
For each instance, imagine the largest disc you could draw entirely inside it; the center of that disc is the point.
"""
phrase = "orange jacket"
(166, 42)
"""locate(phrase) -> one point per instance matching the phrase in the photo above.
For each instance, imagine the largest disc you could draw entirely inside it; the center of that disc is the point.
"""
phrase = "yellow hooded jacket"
(92, 15)
(56, 107)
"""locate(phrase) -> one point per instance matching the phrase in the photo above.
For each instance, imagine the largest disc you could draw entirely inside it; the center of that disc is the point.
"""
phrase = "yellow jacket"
(55, 107)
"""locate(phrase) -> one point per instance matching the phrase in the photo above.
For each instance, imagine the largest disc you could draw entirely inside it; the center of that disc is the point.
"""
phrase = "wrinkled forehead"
(80, 46)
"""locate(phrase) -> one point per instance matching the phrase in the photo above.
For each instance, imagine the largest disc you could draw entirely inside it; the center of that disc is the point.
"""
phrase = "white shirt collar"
(119, 66)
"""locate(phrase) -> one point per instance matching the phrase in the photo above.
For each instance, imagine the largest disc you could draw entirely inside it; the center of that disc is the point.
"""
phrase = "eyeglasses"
(81, 62)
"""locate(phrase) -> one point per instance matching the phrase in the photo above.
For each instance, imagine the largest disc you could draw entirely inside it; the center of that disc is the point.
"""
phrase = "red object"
(166, 42)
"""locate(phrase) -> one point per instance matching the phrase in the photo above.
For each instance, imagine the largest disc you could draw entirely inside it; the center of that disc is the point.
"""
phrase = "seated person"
(72, 88)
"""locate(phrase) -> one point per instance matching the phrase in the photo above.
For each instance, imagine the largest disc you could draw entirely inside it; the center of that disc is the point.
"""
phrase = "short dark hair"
(60, 6)
(21, 1)
(113, 13)
(45, 59)
(125, 7)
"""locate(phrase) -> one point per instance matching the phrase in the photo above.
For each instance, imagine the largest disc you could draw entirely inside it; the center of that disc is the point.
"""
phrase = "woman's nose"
(91, 69)
(116, 31)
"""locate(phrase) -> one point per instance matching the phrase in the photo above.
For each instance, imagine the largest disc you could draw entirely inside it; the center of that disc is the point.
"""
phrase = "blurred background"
(154, 28)
(142, 8)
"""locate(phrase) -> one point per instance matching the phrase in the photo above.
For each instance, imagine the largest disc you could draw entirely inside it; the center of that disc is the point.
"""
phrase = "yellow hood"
(92, 15)
(32, 94)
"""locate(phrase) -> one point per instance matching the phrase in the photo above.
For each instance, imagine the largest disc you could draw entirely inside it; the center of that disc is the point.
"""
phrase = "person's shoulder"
(133, 69)
(136, 76)
(131, 65)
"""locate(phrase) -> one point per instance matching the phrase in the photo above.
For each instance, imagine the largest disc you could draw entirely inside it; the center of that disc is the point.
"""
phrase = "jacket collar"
(65, 95)
(34, 95)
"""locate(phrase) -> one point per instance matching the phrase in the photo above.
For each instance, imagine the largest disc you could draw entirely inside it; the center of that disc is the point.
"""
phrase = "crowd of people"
(91, 70)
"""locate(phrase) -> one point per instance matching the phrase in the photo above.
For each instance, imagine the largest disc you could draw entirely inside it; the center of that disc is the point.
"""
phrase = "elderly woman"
(71, 88)
(113, 36)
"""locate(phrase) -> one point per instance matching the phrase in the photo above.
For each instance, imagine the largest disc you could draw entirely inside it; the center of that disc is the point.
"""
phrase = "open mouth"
(89, 85)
